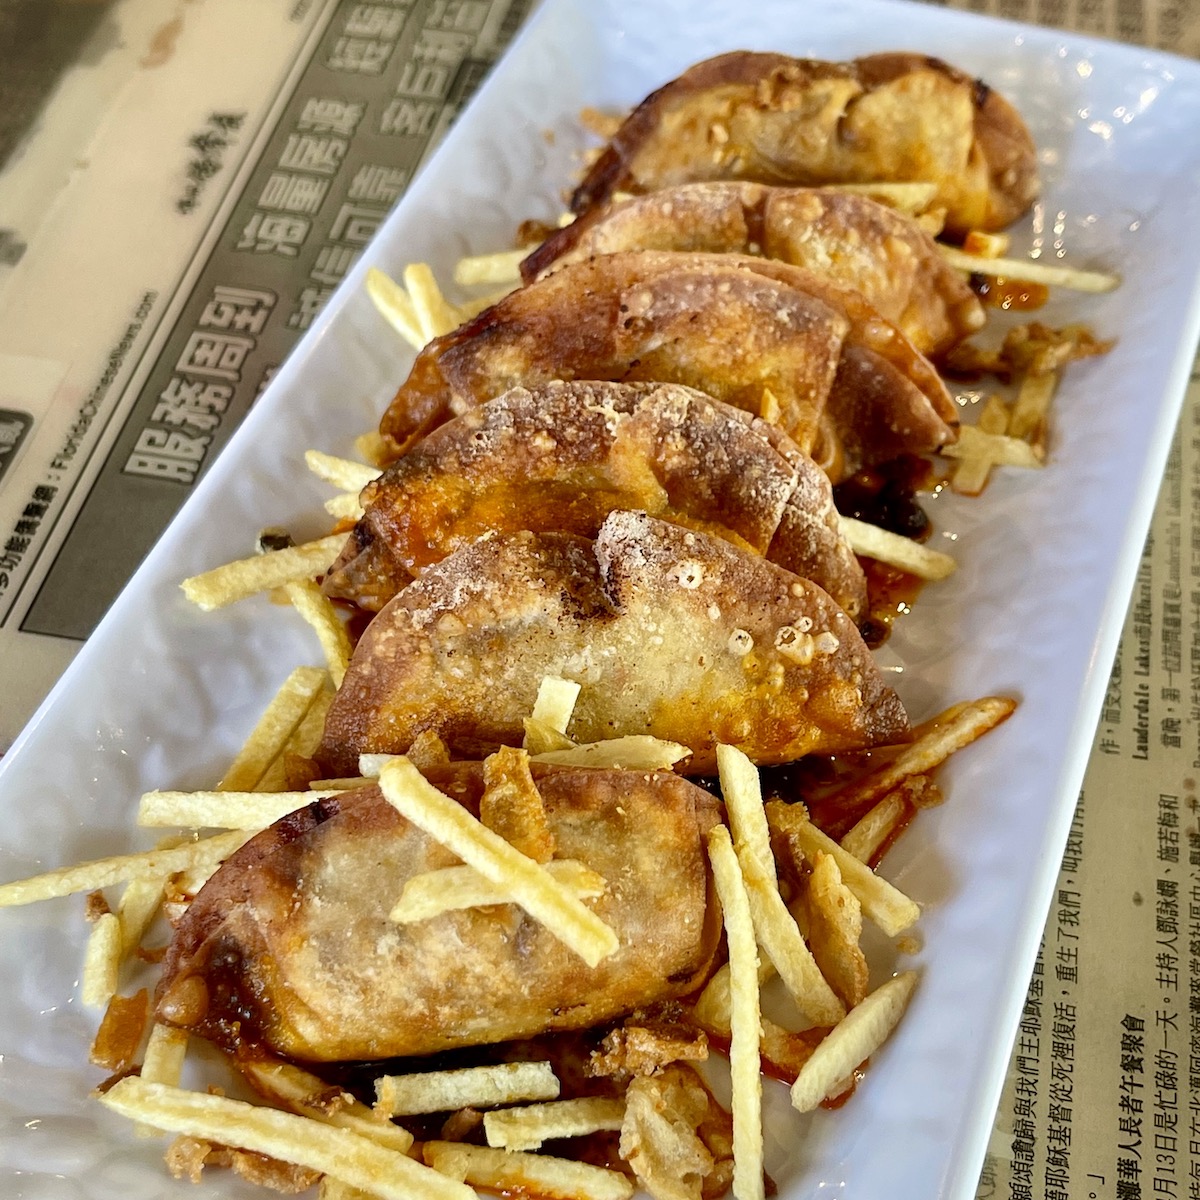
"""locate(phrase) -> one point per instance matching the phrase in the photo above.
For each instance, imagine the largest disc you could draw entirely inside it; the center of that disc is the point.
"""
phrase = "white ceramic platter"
(162, 695)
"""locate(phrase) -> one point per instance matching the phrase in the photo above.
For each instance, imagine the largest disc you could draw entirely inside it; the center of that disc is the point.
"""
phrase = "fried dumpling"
(669, 632)
(851, 239)
(561, 456)
(779, 120)
(850, 389)
(289, 947)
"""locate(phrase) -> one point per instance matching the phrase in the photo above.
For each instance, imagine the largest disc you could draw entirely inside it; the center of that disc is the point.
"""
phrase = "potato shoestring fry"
(345, 1155)
(863, 1031)
(451, 888)
(1030, 270)
(247, 576)
(310, 1096)
(534, 888)
(527, 1127)
(475, 1087)
(888, 907)
(275, 727)
(120, 868)
(515, 1173)
(744, 1062)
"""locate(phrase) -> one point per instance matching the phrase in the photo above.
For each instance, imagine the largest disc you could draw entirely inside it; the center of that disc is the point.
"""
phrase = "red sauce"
(817, 782)
(531, 233)
(890, 594)
(596, 1149)
(357, 619)
(890, 589)
(886, 496)
(888, 842)
(840, 1099)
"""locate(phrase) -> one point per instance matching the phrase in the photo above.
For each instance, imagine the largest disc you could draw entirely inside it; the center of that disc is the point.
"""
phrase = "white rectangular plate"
(162, 695)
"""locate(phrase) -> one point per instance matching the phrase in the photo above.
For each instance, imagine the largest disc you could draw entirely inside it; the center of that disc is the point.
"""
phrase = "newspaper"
(257, 180)
(1165, 24)
(258, 184)
(1102, 1097)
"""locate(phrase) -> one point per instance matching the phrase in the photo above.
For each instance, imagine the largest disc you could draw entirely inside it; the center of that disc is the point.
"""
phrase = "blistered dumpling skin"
(289, 949)
(851, 239)
(669, 632)
(768, 118)
(562, 456)
(846, 385)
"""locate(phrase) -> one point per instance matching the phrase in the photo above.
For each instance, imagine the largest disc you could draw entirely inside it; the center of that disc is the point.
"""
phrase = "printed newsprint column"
(1102, 1099)
(1168, 24)
(214, 285)
(106, 208)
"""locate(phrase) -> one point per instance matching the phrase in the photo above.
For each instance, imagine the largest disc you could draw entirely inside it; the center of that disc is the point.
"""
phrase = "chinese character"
(311, 152)
(356, 223)
(237, 308)
(195, 404)
(424, 81)
(360, 56)
(293, 193)
(448, 49)
(468, 15)
(373, 21)
(409, 118)
(267, 375)
(332, 263)
(312, 300)
(322, 115)
(270, 233)
(377, 184)
(12, 430)
(219, 356)
(161, 454)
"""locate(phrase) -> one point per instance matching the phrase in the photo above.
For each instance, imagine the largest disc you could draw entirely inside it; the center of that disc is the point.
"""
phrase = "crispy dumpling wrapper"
(853, 240)
(289, 947)
(563, 455)
(669, 632)
(773, 119)
(850, 387)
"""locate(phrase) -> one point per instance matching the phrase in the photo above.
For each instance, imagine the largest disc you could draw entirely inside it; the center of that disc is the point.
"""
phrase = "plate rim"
(1104, 641)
